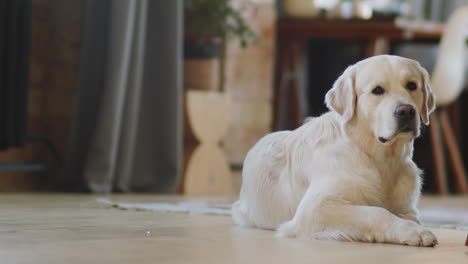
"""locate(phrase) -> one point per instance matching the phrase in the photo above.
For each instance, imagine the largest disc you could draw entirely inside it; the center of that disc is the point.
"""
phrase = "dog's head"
(388, 93)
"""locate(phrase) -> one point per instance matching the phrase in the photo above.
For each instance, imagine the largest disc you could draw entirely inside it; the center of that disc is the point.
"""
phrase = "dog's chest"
(394, 183)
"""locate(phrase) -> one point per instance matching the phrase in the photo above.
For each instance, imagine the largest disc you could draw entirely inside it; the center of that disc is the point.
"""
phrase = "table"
(293, 32)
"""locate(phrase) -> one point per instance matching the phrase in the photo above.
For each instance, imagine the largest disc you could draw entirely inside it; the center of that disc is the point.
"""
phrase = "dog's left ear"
(342, 98)
(428, 97)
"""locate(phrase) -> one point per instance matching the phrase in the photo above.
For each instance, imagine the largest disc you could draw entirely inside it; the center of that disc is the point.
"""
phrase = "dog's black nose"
(405, 111)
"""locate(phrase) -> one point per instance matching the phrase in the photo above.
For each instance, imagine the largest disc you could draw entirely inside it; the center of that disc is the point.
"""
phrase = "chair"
(447, 84)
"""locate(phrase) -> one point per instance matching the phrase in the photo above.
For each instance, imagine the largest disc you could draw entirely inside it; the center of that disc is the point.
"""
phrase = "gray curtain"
(130, 138)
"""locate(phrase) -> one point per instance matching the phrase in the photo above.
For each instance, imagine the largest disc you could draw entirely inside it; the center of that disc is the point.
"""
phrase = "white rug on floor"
(185, 207)
(443, 217)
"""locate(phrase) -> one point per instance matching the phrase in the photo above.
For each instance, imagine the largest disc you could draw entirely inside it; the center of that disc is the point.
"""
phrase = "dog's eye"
(411, 86)
(378, 90)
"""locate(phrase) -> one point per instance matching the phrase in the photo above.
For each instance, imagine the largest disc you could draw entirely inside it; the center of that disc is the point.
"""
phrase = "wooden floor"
(66, 229)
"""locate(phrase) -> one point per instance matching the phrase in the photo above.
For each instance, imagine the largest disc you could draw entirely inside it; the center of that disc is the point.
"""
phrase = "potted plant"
(207, 109)
(207, 23)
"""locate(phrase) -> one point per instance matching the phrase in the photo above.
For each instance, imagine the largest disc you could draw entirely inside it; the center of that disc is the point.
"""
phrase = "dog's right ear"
(342, 97)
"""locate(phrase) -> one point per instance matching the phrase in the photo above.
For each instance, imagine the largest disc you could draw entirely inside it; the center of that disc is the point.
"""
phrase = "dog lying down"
(348, 174)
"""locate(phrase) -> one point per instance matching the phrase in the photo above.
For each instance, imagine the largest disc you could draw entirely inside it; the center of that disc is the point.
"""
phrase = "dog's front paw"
(415, 235)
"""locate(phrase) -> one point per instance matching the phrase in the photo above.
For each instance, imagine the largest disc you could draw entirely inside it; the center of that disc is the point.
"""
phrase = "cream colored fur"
(332, 178)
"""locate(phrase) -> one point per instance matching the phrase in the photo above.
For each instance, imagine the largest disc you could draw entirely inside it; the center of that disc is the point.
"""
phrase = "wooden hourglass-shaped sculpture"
(207, 170)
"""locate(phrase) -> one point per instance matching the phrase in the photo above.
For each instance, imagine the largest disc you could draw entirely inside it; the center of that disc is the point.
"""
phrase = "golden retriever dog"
(348, 174)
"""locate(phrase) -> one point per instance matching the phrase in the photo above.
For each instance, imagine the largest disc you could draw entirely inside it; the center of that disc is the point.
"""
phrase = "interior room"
(233, 131)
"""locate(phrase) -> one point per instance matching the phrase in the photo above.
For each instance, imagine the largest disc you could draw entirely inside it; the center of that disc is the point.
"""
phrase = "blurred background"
(168, 96)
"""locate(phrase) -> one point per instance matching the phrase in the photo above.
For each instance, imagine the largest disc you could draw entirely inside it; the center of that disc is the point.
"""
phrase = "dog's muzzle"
(405, 116)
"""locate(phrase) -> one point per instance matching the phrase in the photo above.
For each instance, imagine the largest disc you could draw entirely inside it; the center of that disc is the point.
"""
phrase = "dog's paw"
(415, 235)
(287, 229)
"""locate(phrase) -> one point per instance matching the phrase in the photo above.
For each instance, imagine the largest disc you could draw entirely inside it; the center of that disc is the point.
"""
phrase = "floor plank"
(55, 228)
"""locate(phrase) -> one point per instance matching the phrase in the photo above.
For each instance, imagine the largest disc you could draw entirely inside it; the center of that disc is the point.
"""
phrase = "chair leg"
(294, 103)
(280, 85)
(454, 151)
(438, 154)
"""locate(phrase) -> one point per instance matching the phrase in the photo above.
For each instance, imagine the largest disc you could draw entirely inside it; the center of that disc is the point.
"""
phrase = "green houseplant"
(206, 24)
(206, 20)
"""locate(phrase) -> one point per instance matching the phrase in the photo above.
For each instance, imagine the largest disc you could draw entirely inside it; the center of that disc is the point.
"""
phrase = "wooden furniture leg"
(287, 85)
(454, 151)
(281, 83)
(455, 117)
(438, 153)
(295, 104)
(377, 46)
